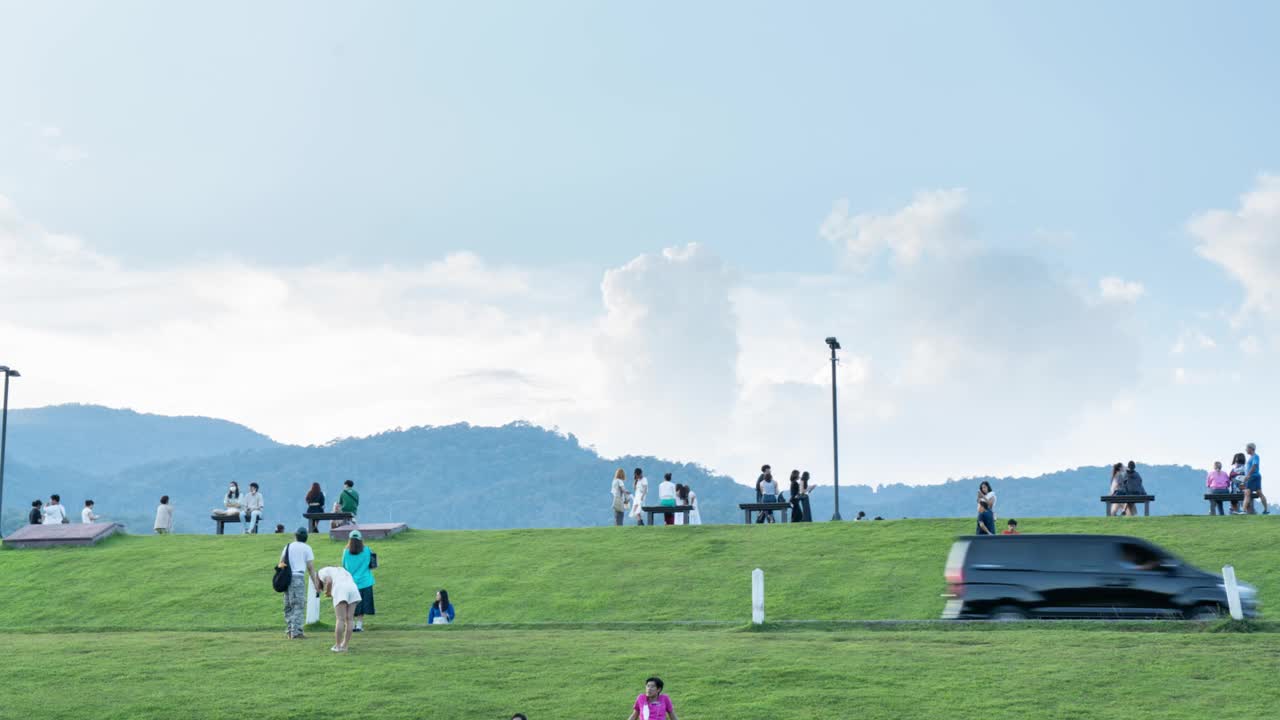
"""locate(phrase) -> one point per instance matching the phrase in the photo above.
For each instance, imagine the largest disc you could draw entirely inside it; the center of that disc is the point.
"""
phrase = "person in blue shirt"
(1253, 480)
(986, 520)
(357, 560)
(441, 610)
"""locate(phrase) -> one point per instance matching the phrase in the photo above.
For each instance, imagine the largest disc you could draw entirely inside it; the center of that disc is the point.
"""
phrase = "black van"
(1014, 577)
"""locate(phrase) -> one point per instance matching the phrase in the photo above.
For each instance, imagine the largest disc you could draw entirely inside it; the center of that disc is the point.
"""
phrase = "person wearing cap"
(357, 560)
(302, 563)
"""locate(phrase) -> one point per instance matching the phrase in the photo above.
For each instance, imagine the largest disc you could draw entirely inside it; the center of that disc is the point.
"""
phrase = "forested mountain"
(454, 477)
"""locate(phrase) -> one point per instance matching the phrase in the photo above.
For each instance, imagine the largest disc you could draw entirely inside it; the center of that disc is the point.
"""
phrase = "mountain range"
(452, 477)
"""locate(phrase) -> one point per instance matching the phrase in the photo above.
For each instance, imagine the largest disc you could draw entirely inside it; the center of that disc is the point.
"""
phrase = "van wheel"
(1204, 613)
(1008, 613)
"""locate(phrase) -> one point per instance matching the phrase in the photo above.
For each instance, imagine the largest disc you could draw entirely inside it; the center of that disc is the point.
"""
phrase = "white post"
(1233, 592)
(757, 596)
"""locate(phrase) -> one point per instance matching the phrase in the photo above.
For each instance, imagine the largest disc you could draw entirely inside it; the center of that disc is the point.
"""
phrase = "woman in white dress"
(639, 490)
(688, 497)
(337, 583)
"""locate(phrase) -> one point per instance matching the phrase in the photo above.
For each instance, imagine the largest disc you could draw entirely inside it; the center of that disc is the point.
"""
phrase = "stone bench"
(1215, 499)
(1146, 501)
(749, 508)
(667, 510)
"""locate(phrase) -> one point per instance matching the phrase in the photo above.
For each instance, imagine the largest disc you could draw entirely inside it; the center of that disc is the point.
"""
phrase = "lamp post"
(4, 431)
(834, 344)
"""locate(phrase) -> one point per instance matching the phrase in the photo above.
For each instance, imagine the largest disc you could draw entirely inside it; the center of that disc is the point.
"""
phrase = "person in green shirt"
(349, 500)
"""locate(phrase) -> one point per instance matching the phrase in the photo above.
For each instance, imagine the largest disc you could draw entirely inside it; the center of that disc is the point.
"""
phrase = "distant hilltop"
(452, 477)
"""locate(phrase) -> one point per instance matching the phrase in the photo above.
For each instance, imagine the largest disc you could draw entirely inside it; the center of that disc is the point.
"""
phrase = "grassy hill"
(567, 623)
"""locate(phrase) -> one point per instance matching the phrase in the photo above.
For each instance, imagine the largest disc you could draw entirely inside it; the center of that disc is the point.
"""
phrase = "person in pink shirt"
(1219, 483)
(652, 704)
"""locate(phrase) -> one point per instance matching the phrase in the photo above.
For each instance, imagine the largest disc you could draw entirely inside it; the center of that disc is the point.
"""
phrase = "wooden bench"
(748, 508)
(667, 510)
(1146, 501)
(1216, 498)
(315, 518)
(222, 520)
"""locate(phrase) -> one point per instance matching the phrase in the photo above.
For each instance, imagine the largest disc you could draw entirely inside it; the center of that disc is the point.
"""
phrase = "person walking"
(252, 509)
(36, 516)
(164, 517)
(54, 513)
(1253, 481)
(667, 498)
(804, 497)
(337, 583)
(315, 499)
(797, 510)
(620, 496)
(87, 516)
(357, 559)
(348, 501)
(1218, 483)
(768, 491)
(639, 492)
(441, 612)
(300, 559)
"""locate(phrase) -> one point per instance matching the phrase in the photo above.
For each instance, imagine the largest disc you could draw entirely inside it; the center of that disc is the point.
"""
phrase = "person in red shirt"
(1012, 529)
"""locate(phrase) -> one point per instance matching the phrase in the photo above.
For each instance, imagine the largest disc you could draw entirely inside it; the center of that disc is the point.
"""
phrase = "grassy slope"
(820, 571)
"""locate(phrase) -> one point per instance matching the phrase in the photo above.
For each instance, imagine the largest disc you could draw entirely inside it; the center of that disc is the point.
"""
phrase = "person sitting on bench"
(348, 501)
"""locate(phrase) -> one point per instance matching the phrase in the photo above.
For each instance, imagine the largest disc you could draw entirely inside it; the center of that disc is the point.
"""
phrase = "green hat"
(356, 535)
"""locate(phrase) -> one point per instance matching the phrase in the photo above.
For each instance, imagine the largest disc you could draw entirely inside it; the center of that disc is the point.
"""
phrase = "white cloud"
(1246, 242)
(1114, 289)
(932, 222)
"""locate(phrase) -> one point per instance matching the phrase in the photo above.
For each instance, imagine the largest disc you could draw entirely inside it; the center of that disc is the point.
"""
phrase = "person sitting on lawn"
(441, 610)
(1012, 528)
(652, 704)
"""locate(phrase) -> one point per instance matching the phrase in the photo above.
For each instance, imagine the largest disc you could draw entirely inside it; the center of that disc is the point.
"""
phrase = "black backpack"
(284, 575)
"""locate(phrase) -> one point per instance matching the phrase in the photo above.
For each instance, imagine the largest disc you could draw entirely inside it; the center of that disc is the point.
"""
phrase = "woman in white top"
(986, 493)
(620, 496)
(164, 516)
(695, 518)
(231, 502)
(639, 490)
(337, 583)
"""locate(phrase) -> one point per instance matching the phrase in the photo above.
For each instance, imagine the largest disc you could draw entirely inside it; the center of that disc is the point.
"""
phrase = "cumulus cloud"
(1114, 289)
(1246, 242)
(934, 221)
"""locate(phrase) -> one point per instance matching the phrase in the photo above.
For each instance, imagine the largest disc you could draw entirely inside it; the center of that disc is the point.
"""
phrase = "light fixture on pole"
(834, 344)
(8, 372)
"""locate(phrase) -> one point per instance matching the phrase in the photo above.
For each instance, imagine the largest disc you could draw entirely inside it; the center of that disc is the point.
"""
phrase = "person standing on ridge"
(620, 496)
(301, 560)
(1252, 480)
(639, 492)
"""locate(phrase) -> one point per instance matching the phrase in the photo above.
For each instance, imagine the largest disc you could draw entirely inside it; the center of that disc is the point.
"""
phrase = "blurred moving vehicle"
(1016, 577)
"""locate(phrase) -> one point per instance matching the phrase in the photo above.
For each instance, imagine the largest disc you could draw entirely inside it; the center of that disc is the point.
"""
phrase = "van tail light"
(955, 582)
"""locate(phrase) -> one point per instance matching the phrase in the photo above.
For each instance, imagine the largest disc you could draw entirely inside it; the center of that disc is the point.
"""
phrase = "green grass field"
(567, 623)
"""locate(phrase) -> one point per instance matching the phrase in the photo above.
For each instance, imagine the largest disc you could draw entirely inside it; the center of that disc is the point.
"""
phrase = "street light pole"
(4, 432)
(835, 435)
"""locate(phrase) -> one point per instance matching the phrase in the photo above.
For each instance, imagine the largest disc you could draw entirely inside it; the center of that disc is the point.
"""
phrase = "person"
(1117, 478)
(519, 716)
(348, 500)
(36, 516)
(1012, 528)
(337, 583)
(1253, 481)
(87, 515)
(639, 491)
(764, 470)
(878, 518)
(806, 510)
(620, 496)
(797, 510)
(986, 521)
(441, 612)
(667, 498)
(861, 516)
(230, 501)
(300, 559)
(1218, 483)
(315, 499)
(357, 559)
(54, 513)
(164, 517)
(252, 507)
(279, 528)
(1131, 484)
(768, 491)
(986, 493)
(695, 516)
(652, 704)
(1237, 479)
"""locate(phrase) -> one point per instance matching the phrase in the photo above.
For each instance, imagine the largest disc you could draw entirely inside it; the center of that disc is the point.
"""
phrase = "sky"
(1045, 234)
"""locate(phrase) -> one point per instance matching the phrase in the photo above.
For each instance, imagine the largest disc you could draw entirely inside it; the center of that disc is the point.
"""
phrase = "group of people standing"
(631, 501)
(1245, 478)
(767, 491)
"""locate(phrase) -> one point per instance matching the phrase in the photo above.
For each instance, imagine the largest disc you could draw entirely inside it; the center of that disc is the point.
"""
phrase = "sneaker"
(299, 636)
(358, 629)
(334, 649)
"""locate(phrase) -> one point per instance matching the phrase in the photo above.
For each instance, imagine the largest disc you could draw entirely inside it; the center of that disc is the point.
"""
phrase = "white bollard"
(313, 604)
(757, 596)
(1233, 592)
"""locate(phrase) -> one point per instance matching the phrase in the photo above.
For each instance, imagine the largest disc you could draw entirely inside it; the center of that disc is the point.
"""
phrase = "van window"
(1132, 556)
(1040, 554)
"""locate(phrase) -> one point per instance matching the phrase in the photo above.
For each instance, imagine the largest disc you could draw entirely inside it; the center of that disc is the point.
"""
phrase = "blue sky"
(293, 152)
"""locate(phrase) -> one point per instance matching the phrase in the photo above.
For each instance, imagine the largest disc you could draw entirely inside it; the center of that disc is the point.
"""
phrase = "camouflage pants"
(295, 604)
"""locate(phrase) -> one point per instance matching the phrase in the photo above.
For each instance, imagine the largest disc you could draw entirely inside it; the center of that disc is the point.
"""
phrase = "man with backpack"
(348, 500)
(299, 559)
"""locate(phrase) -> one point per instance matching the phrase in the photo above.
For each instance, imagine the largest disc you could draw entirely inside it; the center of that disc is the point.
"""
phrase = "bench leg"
(650, 519)
(219, 528)
(1146, 509)
(1213, 509)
